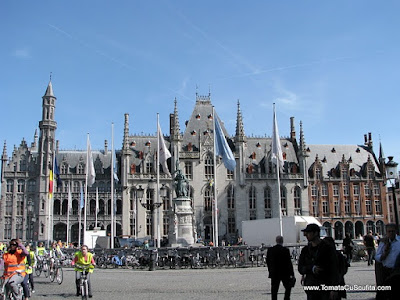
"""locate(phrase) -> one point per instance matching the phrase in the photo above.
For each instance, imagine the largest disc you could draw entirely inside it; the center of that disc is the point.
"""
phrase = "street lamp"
(391, 173)
(151, 205)
(138, 195)
(30, 218)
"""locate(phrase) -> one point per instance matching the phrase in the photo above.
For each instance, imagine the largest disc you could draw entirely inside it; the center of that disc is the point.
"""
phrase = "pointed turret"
(174, 123)
(302, 141)
(240, 135)
(125, 144)
(4, 155)
(49, 90)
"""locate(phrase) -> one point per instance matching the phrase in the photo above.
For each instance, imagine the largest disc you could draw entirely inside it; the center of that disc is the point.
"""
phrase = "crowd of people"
(18, 260)
(322, 265)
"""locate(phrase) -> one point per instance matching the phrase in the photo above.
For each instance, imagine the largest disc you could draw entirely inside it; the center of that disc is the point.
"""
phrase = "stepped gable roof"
(200, 122)
(331, 155)
(262, 147)
(73, 157)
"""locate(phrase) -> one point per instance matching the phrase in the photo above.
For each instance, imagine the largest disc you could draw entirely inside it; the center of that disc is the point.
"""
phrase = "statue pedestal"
(181, 233)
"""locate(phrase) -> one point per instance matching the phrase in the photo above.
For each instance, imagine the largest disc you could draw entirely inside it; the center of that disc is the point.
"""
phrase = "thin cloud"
(22, 53)
(86, 45)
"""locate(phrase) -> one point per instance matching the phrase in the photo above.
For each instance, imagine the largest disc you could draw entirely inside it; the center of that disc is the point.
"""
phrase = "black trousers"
(275, 288)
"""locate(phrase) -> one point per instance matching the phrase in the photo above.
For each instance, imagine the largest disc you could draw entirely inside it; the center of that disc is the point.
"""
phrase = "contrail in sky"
(91, 48)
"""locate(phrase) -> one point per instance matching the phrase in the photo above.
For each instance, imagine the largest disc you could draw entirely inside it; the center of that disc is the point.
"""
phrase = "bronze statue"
(180, 182)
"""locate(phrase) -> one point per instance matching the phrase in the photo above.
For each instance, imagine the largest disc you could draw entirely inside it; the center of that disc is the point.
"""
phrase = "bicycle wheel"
(46, 270)
(59, 275)
(52, 275)
(84, 290)
(38, 270)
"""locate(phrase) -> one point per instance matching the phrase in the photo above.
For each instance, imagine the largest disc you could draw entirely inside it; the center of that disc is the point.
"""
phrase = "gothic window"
(20, 206)
(283, 201)
(229, 174)
(318, 173)
(149, 197)
(101, 207)
(325, 208)
(10, 186)
(76, 186)
(166, 203)
(57, 207)
(314, 190)
(64, 209)
(9, 207)
(189, 170)
(297, 201)
(207, 199)
(80, 169)
(336, 207)
(324, 190)
(149, 226)
(19, 228)
(345, 174)
(231, 225)
(209, 167)
(92, 207)
(21, 186)
(7, 228)
(267, 203)
(149, 165)
(335, 190)
(371, 173)
(31, 185)
(64, 169)
(345, 189)
(165, 225)
(119, 207)
(231, 197)
(22, 163)
(367, 190)
(75, 207)
(377, 190)
(356, 190)
(368, 207)
(347, 209)
(378, 207)
(252, 197)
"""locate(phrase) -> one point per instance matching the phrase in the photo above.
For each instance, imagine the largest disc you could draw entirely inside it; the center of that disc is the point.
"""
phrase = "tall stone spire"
(302, 141)
(174, 123)
(240, 135)
(4, 156)
(125, 145)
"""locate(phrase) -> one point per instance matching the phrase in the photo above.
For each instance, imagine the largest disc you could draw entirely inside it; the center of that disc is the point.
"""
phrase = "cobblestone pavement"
(239, 283)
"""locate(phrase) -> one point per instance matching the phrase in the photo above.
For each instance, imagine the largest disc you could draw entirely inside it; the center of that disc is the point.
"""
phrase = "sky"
(334, 65)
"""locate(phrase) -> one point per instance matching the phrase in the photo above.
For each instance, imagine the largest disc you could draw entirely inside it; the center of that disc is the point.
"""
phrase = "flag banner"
(97, 200)
(222, 148)
(57, 173)
(91, 174)
(163, 152)
(82, 201)
(277, 155)
(115, 168)
(69, 199)
(51, 184)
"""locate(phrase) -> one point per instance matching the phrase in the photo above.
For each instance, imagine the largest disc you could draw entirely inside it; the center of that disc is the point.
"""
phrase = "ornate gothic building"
(342, 185)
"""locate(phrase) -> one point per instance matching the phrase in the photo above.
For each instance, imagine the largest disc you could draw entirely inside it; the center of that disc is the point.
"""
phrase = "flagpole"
(112, 185)
(158, 183)
(80, 215)
(97, 205)
(86, 188)
(215, 187)
(68, 209)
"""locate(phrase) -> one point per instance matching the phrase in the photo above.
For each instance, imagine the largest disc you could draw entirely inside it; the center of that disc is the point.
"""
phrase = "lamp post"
(391, 173)
(138, 196)
(30, 219)
(163, 195)
(151, 206)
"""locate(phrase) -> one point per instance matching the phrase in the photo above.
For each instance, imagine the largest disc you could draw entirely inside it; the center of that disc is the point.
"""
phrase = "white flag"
(90, 172)
(69, 198)
(97, 200)
(277, 155)
(163, 152)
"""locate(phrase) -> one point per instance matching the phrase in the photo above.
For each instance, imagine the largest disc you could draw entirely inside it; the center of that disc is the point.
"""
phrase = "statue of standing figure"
(180, 182)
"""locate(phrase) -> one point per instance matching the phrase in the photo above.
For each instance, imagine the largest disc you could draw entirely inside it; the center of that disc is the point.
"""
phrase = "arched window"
(209, 167)
(267, 203)
(283, 201)
(297, 201)
(22, 163)
(64, 169)
(80, 169)
(57, 207)
(252, 203)
(208, 199)
(231, 197)
(10, 185)
(21, 186)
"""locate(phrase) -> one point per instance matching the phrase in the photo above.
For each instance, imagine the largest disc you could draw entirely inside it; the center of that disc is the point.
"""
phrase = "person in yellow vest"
(2, 246)
(83, 258)
(29, 264)
(14, 266)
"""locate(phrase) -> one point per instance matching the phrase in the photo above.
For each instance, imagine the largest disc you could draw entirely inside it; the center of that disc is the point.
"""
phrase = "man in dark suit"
(280, 268)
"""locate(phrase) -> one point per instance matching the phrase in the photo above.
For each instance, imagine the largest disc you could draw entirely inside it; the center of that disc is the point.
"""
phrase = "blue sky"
(332, 64)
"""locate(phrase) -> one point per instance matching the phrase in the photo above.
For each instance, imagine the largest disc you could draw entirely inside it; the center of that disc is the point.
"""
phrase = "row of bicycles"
(174, 258)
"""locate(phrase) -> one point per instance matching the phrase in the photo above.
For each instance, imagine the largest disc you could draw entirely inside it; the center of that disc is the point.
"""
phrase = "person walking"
(280, 268)
(387, 253)
(348, 246)
(369, 244)
(318, 264)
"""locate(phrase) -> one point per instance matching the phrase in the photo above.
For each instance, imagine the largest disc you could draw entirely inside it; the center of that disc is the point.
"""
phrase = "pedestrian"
(348, 246)
(387, 253)
(369, 244)
(280, 268)
(342, 265)
(318, 264)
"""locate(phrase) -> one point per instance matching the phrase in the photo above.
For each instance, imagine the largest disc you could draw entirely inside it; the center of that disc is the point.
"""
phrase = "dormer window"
(333, 150)
(193, 132)
(133, 144)
(206, 132)
(148, 144)
(258, 145)
(210, 117)
(198, 117)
